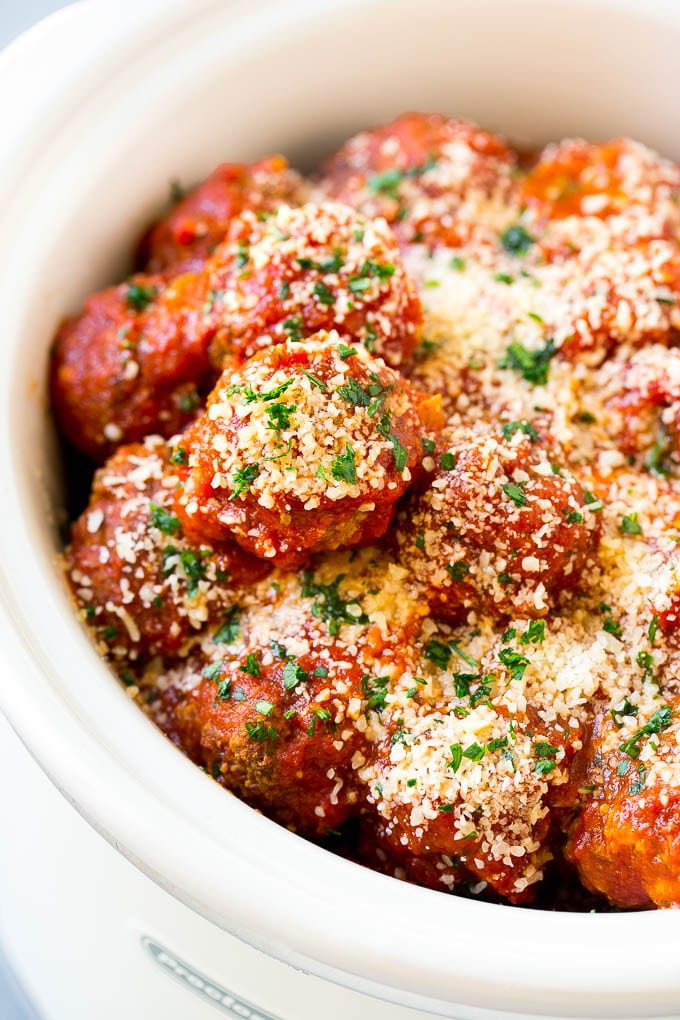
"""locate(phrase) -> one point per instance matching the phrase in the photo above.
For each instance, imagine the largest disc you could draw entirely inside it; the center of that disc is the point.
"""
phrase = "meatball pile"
(383, 528)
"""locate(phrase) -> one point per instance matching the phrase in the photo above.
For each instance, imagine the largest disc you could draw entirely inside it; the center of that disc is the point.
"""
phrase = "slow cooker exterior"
(140, 95)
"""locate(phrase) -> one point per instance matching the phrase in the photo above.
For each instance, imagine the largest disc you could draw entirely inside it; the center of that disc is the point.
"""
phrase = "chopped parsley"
(534, 634)
(626, 709)
(343, 467)
(279, 415)
(592, 502)
(658, 458)
(398, 451)
(293, 674)
(294, 327)
(533, 366)
(661, 720)
(375, 691)
(324, 295)
(458, 570)
(462, 654)
(630, 525)
(212, 671)
(646, 662)
(385, 183)
(613, 627)
(252, 665)
(243, 478)
(166, 522)
(652, 629)
(179, 456)
(637, 785)
(383, 271)
(456, 757)
(354, 393)
(516, 240)
(229, 631)
(191, 562)
(515, 493)
(329, 605)
(515, 662)
(260, 732)
(438, 653)
(447, 461)
(139, 297)
(483, 690)
(318, 715)
(242, 255)
(273, 394)
(315, 381)
(346, 352)
(510, 427)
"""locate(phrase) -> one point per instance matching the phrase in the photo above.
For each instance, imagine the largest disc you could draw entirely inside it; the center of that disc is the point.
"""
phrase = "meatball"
(626, 841)
(140, 586)
(606, 297)
(501, 527)
(183, 240)
(302, 270)
(621, 182)
(307, 447)
(643, 401)
(461, 769)
(434, 180)
(132, 363)
(277, 714)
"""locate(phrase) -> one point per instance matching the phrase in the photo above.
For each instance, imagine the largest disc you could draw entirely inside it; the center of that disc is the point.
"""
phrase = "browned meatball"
(132, 363)
(604, 297)
(142, 588)
(434, 180)
(183, 240)
(626, 842)
(307, 447)
(302, 270)
(462, 768)
(643, 402)
(279, 711)
(501, 527)
(621, 182)
(138, 357)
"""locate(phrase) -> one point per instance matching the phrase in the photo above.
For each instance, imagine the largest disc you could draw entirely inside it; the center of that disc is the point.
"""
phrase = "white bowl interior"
(204, 83)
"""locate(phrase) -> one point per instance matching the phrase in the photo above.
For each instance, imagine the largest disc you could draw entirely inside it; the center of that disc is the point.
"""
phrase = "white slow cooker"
(160, 895)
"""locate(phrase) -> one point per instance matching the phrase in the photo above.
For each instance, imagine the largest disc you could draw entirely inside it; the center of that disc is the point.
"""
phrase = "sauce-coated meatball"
(307, 447)
(183, 240)
(626, 842)
(301, 270)
(434, 180)
(501, 527)
(621, 182)
(142, 588)
(132, 363)
(277, 709)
